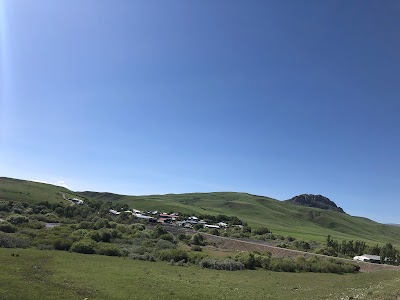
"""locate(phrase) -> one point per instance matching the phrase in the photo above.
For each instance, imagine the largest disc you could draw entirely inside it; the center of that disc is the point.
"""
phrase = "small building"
(148, 218)
(211, 226)
(222, 224)
(164, 220)
(114, 212)
(77, 201)
(368, 258)
(167, 216)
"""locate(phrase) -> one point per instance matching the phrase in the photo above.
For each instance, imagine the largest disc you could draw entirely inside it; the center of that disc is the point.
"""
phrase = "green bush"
(198, 239)
(225, 264)
(164, 244)
(9, 240)
(167, 236)
(83, 246)
(173, 254)
(7, 227)
(146, 256)
(107, 249)
(196, 248)
(62, 244)
(17, 219)
(261, 231)
(183, 237)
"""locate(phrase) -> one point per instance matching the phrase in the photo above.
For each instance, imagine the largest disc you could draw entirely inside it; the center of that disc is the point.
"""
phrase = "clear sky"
(275, 98)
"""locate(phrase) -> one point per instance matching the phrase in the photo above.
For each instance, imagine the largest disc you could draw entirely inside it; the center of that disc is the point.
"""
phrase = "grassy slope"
(282, 217)
(61, 275)
(31, 192)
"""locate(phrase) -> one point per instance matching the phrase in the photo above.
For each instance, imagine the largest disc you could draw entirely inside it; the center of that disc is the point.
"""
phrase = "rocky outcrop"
(317, 201)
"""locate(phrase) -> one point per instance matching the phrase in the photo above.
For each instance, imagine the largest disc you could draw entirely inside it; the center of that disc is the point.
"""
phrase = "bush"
(173, 254)
(198, 239)
(196, 248)
(107, 249)
(226, 264)
(146, 256)
(62, 244)
(183, 237)
(167, 236)
(84, 246)
(17, 219)
(163, 244)
(7, 227)
(35, 224)
(9, 240)
(261, 231)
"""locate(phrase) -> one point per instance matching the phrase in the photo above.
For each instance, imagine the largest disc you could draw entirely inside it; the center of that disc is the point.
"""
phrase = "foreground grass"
(61, 275)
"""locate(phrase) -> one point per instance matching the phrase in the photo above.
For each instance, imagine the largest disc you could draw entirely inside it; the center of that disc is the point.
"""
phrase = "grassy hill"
(36, 274)
(281, 217)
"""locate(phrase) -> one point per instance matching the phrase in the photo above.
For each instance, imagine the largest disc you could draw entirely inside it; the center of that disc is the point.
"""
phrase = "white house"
(77, 201)
(211, 226)
(368, 258)
(222, 224)
(114, 212)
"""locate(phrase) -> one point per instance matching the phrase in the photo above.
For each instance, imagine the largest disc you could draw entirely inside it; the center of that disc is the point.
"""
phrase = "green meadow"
(44, 274)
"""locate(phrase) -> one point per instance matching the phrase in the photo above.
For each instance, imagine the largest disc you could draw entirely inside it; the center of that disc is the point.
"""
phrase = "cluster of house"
(156, 217)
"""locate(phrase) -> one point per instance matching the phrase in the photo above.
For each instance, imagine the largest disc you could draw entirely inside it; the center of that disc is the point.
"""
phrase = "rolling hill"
(281, 217)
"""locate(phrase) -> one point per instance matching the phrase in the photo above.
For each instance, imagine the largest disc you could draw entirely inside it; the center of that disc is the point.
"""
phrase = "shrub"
(107, 249)
(44, 247)
(163, 244)
(173, 254)
(62, 244)
(146, 256)
(261, 231)
(9, 240)
(182, 237)
(225, 264)
(167, 236)
(196, 248)
(35, 224)
(83, 246)
(198, 239)
(195, 257)
(17, 219)
(7, 227)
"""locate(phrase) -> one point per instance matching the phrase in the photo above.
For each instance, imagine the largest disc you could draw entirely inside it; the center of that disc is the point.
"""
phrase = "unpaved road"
(66, 199)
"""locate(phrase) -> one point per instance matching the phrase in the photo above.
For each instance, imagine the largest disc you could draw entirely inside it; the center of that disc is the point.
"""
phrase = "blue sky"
(275, 98)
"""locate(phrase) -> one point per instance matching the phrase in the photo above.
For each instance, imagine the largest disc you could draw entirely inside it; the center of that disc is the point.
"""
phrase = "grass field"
(281, 217)
(36, 274)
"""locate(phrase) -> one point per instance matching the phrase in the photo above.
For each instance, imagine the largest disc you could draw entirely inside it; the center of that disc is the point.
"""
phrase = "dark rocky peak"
(317, 201)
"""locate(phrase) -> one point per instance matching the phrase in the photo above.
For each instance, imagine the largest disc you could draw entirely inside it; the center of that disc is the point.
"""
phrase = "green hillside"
(281, 217)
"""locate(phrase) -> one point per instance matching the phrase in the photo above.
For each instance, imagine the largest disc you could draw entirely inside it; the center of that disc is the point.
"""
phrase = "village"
(171, 219)
(194, 222)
